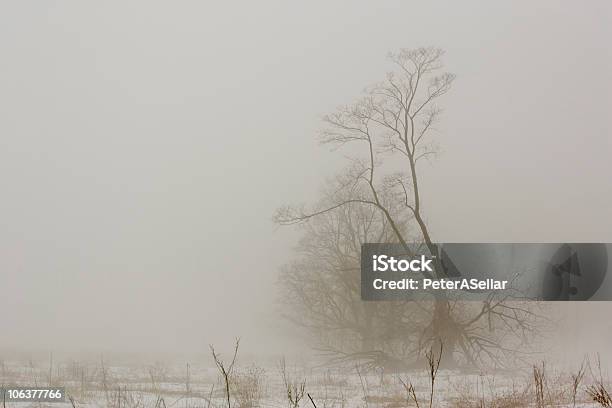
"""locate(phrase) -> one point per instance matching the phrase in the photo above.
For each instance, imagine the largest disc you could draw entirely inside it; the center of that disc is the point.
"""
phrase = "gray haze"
(144, 147)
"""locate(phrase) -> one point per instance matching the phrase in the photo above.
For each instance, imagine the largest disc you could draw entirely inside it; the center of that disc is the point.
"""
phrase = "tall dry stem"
(539, 378)
(433, 365)
(226, 372)
(576, 380)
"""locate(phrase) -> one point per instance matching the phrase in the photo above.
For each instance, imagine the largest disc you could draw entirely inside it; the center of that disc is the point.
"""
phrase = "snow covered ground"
(157, 385)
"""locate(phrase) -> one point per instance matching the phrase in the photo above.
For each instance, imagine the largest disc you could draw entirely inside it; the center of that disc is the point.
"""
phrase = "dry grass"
(598, 391)
(249, 387)
(600, 394)
(294, 389)
(116, 386)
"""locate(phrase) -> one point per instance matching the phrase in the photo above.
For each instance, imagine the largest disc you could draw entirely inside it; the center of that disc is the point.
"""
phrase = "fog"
(144, 147)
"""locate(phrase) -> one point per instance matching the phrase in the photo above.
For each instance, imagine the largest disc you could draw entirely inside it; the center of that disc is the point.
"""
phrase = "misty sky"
(145, 145)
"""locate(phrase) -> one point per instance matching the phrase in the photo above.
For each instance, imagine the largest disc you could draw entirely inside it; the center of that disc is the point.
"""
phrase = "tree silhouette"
(392, 124)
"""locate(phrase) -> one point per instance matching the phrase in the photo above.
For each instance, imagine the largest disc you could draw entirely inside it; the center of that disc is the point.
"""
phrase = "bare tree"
(322, 291)
(392, 124)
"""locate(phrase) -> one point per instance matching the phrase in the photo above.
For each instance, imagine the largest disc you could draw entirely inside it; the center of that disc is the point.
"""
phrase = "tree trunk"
(445, 330)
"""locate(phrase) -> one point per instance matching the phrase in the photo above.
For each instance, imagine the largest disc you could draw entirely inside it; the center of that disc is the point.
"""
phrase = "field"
(105, 383)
